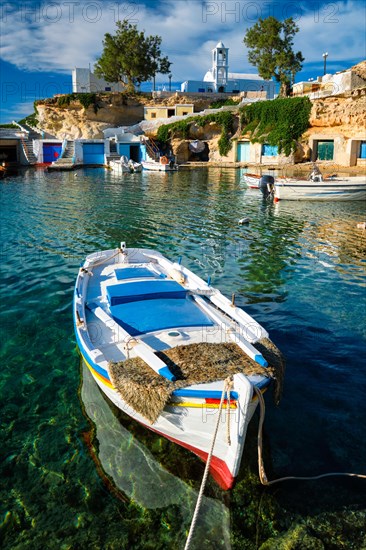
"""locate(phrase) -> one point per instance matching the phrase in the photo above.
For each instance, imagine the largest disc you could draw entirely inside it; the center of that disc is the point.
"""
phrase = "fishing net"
(148, 393)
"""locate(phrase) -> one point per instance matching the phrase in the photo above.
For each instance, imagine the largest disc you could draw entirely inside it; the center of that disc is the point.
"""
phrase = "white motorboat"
(125, 165)
(321, 189)
(161, 164)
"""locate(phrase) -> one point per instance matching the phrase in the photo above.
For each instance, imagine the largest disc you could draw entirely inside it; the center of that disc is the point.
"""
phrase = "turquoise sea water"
(76, 473)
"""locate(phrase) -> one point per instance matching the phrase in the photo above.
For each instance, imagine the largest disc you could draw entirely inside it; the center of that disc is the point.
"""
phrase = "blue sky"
(42, 41)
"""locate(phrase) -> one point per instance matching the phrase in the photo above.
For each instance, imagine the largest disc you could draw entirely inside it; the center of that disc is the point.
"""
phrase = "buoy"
(244, 220)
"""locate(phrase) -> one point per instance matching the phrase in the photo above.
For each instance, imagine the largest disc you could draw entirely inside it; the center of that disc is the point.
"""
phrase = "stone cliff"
(345, 113)
(72, 121)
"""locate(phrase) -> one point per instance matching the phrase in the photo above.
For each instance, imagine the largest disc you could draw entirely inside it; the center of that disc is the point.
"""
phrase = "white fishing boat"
(135, 166)
(161, 164)
(251, 180)
(124, 165)
(172, 352)
(330, 189)
(264, 183)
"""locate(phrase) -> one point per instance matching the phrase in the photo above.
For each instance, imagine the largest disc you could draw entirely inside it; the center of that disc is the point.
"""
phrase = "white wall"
(84, 81)
(242, 85)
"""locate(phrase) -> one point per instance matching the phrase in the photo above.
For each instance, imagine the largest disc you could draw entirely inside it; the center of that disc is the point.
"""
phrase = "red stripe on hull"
(218, 468)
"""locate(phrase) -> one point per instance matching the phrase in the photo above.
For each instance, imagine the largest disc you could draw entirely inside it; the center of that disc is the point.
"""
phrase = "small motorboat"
(160, 164)
(135, 166)
(251, 180)
(264, 183)
(319, 188)
(172, 352)
(124, 165)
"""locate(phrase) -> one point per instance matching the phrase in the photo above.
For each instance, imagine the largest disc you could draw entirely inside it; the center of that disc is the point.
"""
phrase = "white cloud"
(56, 37)
(23, 109)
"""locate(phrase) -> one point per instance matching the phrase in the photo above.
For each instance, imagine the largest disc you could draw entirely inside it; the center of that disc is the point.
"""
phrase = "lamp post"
(325, 55)
(170, 81)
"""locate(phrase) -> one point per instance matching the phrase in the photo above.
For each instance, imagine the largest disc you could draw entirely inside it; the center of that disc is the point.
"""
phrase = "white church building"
(219, 80)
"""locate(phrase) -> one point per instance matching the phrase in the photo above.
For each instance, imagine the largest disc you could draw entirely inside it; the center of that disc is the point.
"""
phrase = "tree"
(270, 45)
(129, 57)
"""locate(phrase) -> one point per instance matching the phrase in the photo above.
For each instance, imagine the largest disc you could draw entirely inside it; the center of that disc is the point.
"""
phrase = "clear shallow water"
(67, 463)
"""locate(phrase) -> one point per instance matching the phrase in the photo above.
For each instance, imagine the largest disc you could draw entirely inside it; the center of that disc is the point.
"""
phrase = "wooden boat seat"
(136, 291)
(150, 315)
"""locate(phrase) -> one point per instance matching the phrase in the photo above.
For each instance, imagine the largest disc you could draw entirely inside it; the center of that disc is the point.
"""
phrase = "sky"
(41, 42)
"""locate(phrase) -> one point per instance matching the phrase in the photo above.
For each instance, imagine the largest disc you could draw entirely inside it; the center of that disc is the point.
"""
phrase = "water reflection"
(135, 472)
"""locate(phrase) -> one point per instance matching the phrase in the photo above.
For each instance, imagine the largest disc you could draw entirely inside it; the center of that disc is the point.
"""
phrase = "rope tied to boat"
(229, 385)
(262, 474)
(228, 382)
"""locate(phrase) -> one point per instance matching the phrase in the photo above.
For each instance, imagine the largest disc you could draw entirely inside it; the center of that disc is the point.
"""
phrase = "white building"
(331, 84)
(219, 80)
(84, 81)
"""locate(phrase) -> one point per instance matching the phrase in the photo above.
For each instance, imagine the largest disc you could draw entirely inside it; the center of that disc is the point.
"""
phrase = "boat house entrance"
(325, 150)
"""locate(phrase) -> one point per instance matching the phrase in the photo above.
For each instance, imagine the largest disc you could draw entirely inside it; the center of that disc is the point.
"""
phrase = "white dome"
(208, 77)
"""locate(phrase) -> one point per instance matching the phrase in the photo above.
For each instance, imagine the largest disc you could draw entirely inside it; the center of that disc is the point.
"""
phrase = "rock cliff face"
(346, 114)
(73, 121)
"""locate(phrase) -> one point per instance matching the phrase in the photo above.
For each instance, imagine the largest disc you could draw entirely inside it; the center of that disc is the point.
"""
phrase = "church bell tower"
(220, 67)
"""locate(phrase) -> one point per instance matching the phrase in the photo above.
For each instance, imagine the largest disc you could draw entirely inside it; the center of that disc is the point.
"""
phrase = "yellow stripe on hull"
(199, 405)
(188, 404)
(98, 376)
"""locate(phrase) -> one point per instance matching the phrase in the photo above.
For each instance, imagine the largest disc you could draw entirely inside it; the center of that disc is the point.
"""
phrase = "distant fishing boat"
(124, 165)
(321, 189)
(171, 351)
(251, 180)
(264, 183)
(161, 164)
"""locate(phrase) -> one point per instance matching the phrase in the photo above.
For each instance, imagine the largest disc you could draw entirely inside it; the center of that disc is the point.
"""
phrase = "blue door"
(93, 153)
(325, 150)
(362, 150)
(269, 150)
(124, 149)
(243, 151)
(51, 151)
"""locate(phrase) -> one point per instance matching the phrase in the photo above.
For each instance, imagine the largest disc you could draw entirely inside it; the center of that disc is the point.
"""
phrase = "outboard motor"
(266, 185)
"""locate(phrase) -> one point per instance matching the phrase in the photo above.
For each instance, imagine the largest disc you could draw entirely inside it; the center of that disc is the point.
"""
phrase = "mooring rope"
(228, 389)
(227, 385)
(262, 474)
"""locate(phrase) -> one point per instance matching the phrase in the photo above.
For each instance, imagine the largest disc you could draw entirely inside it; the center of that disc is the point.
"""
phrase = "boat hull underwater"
(172, 352)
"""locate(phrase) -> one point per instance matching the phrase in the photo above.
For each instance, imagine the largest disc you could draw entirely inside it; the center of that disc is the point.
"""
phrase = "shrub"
(224, 120)
(278, 122)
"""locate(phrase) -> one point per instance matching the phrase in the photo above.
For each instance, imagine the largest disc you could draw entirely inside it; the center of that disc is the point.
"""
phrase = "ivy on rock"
(278, 122)
(225, 120)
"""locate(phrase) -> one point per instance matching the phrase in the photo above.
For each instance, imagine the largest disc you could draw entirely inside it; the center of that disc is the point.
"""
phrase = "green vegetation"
(270, 45)
(225, 120)
(8, 126)
(279, 122)
(224, 102)
(169, 131)
(86, 99)
(31, 120)
(129, 55)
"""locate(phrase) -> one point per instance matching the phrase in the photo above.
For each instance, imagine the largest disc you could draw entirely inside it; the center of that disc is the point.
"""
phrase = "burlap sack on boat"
(148, 393)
